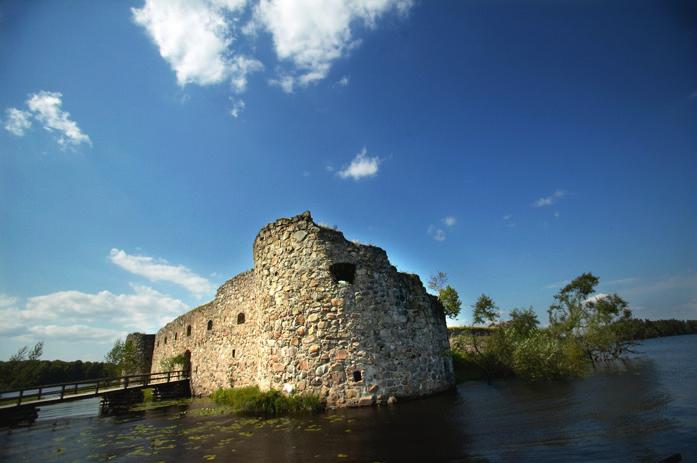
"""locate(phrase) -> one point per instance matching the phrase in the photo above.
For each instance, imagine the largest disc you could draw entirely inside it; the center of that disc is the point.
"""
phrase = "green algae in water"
(209, 457)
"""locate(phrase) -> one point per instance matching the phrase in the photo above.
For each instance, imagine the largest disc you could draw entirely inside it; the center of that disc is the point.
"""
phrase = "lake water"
(645, 410)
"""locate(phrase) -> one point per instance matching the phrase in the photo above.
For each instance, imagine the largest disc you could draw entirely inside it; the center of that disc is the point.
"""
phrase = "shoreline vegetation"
(467, 369)
(253, 402)
(585, 331)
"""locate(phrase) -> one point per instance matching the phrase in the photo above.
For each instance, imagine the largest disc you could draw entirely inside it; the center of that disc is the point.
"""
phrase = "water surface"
(643, 410)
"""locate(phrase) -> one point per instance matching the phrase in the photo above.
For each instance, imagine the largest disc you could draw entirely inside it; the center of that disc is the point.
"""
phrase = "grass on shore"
(251, 401)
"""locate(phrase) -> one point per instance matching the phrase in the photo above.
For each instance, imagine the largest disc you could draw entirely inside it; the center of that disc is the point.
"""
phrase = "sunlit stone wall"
(321, 314)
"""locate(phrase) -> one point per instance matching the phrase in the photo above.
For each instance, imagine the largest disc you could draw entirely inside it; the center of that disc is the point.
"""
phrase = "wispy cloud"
(657, 285)
(449, 221)
(343, 82)
(17, 121)
(361, 166)
(508, 221)
(46, 108)
(557, 285)
(237, 107)
(436, 233)
(550, 200)
(160, 270)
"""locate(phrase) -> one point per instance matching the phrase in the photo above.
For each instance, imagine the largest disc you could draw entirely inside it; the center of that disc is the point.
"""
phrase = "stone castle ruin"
(319, 314)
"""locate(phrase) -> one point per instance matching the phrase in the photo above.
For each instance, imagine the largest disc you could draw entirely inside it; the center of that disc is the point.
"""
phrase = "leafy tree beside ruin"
(124, 357)
(447, 295)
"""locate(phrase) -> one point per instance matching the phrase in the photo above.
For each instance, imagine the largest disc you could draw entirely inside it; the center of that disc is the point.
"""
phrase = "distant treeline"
(632, 329)
(16, 374)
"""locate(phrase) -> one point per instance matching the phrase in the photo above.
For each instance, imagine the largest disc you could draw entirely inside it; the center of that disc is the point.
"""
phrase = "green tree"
(451, 301)
(37, 351)
(447, 295)
(25, 354)
(485, 311)
(523, 321)
(124, 358)
(438, 281)
(176, 362)
(591, 320)
(20, 355)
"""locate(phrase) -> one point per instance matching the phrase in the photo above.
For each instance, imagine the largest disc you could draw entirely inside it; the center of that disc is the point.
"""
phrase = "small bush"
(251, 401)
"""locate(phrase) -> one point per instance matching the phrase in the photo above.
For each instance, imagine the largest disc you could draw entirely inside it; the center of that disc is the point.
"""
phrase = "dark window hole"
(240, 318)
(343, 272)
(210, 325)
(357, 376)
(188, 330)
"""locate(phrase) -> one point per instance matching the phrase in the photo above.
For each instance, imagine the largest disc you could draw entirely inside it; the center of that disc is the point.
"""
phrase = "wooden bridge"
(20, 404)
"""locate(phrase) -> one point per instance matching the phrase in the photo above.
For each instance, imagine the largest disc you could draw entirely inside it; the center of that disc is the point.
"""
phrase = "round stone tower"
(335, 318)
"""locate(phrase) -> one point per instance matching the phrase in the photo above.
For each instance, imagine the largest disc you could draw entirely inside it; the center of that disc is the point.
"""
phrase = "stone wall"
(143, 345)
(322, 315)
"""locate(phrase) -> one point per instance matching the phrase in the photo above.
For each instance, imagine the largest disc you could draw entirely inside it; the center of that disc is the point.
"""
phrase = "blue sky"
(512, 145)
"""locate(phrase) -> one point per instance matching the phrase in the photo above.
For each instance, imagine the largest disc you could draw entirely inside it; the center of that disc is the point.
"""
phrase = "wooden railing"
(87, 388)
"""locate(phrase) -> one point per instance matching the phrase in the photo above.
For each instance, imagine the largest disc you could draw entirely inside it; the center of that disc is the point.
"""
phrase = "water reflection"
(641, 411)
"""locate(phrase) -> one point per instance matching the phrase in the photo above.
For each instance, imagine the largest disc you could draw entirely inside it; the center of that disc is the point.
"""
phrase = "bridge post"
(125, 383)
(62, 392)
(38, 396)
(96, 388)
(168, 373)
(19, 399)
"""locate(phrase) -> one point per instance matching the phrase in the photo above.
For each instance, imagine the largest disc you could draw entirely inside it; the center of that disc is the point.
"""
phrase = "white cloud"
(311, 34)
(449, 221)
(508, 221)
(240, 68)
(17, 121)
(194, 37)
(361, 166)
(75, 333)
(45, 107)
(285, 82)
(100, 316)
(549, 200)
(558, 284)
(237, 108)
(161, 270)
(7, 301)
(144, 309)
(436, 233)
(595, 298)
(203, 40)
